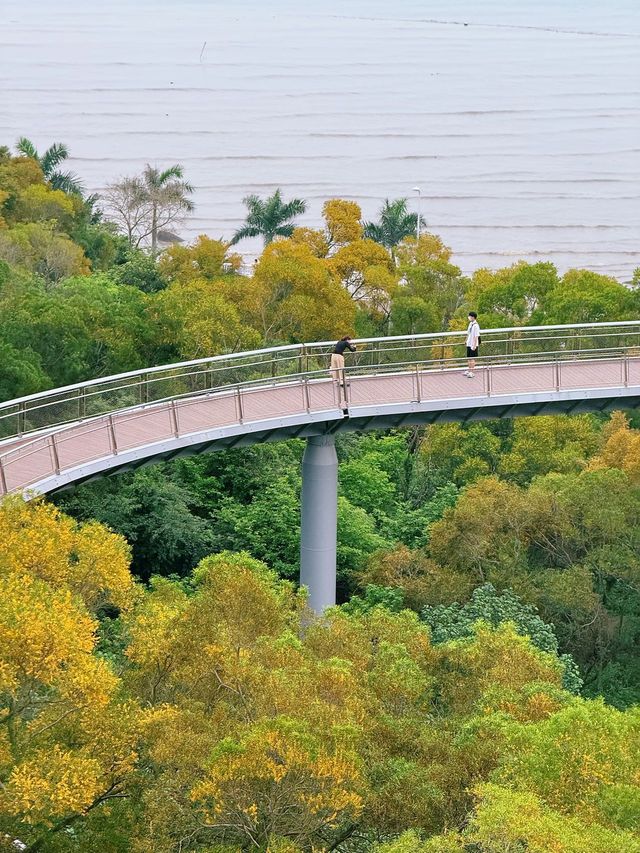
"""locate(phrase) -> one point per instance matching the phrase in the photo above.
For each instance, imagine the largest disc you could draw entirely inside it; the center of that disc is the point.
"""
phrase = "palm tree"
(167, 194)
(269, 218)
(394, 225)
(52, 157)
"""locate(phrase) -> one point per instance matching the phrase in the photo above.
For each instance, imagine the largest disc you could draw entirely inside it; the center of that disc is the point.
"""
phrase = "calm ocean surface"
(520, 120)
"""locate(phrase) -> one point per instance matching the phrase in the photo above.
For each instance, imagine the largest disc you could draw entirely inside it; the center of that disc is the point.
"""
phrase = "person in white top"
(473, 343)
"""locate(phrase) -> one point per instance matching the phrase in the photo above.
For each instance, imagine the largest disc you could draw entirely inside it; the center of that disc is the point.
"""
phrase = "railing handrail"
(300, 348)
(253, 385)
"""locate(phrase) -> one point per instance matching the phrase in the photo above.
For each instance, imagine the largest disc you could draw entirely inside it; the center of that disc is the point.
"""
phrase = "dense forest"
(162, 686)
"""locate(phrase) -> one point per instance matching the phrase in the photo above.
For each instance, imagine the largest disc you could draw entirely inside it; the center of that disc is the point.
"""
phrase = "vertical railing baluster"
(239, 403)
(3, 479)
(22, 418)
(556, 378)
(54, 453)
(112, 435)
(173, 412)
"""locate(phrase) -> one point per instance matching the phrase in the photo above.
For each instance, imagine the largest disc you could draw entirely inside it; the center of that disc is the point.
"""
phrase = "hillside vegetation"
(163, 687)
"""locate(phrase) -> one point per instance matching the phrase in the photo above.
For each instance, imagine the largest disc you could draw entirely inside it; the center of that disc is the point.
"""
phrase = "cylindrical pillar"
(318, 535)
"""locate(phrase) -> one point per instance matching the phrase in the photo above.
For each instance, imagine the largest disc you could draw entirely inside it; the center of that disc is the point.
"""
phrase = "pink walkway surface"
(26, 461)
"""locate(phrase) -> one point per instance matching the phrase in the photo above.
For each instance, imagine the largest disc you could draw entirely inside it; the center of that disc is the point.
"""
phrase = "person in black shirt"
(337, 358)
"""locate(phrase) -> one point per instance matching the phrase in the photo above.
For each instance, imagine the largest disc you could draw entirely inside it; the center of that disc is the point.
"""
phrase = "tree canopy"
(163, 686)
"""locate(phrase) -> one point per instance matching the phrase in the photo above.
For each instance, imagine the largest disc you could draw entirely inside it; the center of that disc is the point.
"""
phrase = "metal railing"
(75, 403)
(74, 426)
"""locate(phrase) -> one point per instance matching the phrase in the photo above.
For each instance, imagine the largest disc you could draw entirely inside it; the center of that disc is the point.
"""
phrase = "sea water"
(519, 121)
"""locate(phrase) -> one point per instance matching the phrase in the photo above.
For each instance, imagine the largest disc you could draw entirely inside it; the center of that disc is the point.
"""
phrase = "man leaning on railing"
(337, 358)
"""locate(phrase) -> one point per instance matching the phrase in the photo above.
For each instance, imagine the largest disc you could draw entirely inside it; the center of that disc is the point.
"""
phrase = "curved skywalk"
(66, 436)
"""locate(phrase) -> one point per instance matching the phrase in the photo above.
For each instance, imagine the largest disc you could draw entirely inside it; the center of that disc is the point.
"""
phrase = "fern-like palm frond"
(52, 157)
(243, 232)
(68, 182)
(26, 147)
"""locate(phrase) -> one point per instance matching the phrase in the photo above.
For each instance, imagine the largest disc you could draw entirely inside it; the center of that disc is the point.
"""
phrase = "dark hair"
(346, 338)
(473, 314)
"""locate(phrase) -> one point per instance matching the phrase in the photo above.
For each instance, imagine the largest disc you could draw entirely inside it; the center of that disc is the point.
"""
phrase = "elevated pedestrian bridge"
(58, 438)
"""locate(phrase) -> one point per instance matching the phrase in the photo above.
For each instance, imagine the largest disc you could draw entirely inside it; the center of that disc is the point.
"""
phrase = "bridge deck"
(30, 460)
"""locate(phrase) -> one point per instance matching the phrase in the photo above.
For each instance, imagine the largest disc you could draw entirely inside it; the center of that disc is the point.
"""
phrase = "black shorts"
(472, 353)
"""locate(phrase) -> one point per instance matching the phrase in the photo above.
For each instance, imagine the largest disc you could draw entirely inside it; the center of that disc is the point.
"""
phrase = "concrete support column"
(319, 528)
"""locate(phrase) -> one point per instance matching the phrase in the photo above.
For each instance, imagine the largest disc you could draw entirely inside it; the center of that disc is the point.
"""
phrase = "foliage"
(544, 444)
(419, 578)
(342, 220)
(395, 224)
(269, 218)
(391, 598)
(140, 270)
(486, 605)
(67, 743)
(200, 317)
(432, 289)
(206, 259)
(365, 270)
(38, 248)
(566, 544)
(294, 297)
(245, 721)
(142, 205)
(48, 162)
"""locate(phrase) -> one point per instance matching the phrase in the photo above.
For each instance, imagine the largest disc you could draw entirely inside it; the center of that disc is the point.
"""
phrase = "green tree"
(431, 288)
(583, 296)
(141, 271)
(56, 154)
(22, 372)
(268, 527)
(269, 218)
(391, 598)
(451, 622)
(40, 249)
(154, 513)
(394, 225)
(509, 296)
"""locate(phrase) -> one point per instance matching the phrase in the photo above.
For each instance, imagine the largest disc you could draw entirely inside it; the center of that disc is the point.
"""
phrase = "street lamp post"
(417, 190)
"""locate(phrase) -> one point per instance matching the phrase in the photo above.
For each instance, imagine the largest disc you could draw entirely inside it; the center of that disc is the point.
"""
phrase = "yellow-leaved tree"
(206, 259)
(67, 743)
(252, 737)
(368, 275)
(295, 296)
(203, 318)
(343, 221)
